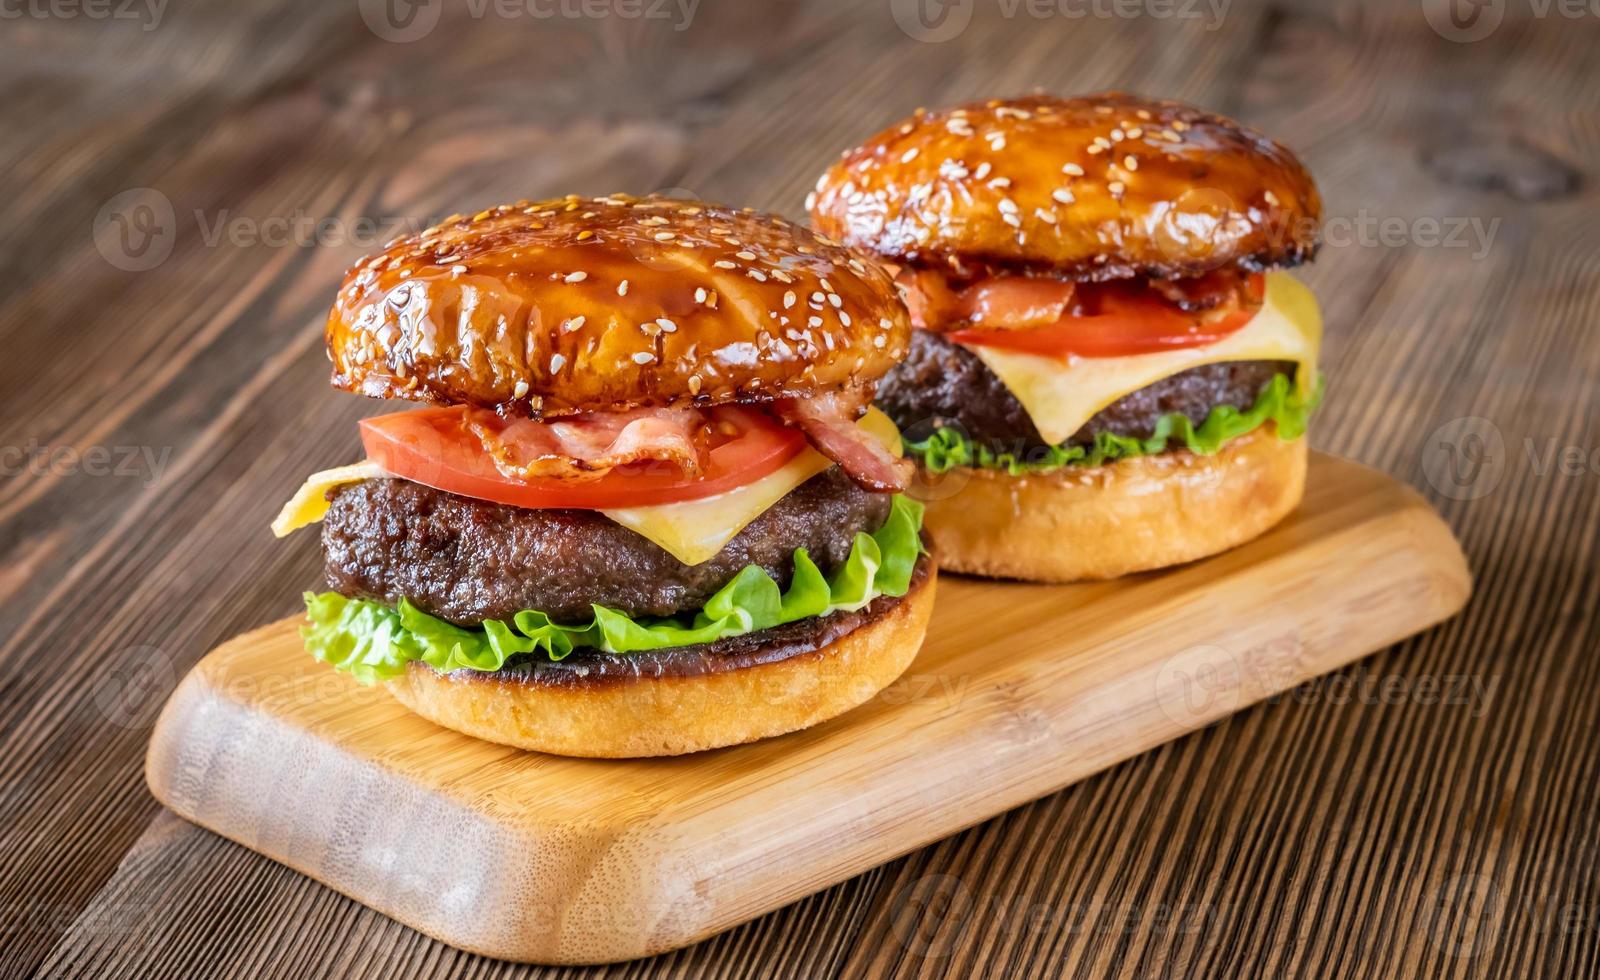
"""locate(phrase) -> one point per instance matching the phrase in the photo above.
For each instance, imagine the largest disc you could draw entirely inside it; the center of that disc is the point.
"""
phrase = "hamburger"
(1110, 371)
(647, 509)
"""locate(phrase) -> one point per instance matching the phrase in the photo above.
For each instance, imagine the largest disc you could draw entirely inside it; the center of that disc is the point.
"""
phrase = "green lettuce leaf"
(374, 642)
(1286, 407)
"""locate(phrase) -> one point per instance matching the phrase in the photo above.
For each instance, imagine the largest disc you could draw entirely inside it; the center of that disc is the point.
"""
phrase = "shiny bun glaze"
(1102, 187)
(550, 308)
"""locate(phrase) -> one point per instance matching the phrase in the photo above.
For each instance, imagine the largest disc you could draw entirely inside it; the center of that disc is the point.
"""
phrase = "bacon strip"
(992, 303)
(829, 422)
(587, 447)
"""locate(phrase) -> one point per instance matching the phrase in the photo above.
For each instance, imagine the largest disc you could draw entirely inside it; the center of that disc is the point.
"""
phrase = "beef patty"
(467, 560)
(942, 383)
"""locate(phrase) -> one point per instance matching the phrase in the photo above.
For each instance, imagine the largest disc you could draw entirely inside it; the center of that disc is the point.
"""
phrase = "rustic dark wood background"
(1430, 812)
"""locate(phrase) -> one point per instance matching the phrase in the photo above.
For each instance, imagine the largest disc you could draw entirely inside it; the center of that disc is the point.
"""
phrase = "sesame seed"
(700, 295)
(665, 236)
(622, 288)
(782, 276)
(815, 321)
(835, 300)
(458, 269)
(1011, 220)
(694, 384)
(748, 256)
(1094, 150)
(756, 274)
(1271, 198)
(878, 341)
(1008, 206)
(569, 326)
(844, 318)
(1048, 217)
(667, 326)
(909, 155)
(1062, 195)
(1072, 170)
(999, 182)
(643, 357)
(884, 323)
(788, 299)
(1116, 187)
(557, 362)
(982, 171)
(577, 277)
(725, 264)
(1130, 162)
(519, 390)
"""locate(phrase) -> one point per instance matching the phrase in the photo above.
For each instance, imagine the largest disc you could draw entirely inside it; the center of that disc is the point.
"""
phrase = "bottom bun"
(674, 701)
(1147, 512)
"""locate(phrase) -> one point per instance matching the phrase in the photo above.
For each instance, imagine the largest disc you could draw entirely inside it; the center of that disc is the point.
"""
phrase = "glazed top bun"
(1102, 187)
(549, 308)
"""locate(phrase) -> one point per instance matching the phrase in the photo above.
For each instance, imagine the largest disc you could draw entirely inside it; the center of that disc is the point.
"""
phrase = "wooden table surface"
(183, 186)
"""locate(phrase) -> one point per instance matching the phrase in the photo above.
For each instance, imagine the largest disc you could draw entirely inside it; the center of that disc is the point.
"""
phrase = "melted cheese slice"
(692, 531)
(695, 530)
(1060, 395)
(310, 503)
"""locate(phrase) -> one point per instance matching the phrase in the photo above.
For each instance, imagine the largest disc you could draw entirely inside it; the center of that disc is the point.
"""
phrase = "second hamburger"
(1110, 373)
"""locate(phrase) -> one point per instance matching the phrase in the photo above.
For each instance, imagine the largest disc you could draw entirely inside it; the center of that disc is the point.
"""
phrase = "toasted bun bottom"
(1130, 516)
(670, 715)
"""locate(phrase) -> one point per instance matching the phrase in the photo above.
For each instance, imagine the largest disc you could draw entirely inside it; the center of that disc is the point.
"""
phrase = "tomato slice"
(436, 447)
(1122, 320)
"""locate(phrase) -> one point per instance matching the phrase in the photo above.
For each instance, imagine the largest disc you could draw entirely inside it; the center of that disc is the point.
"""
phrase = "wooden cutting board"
(1019, 691)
